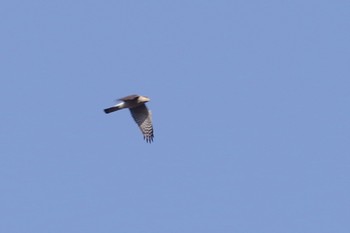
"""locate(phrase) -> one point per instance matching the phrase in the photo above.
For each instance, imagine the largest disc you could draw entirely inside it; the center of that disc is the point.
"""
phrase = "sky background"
(250, 103)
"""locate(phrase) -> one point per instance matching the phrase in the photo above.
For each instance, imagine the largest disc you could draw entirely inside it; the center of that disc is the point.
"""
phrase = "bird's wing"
(143, 118)
(129, 98)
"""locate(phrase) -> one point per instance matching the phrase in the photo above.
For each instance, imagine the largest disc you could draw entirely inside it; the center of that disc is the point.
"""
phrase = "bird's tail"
(114, 108)
(111, 109)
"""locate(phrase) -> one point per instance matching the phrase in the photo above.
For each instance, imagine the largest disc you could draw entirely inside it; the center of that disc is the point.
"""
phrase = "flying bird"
(139, 111)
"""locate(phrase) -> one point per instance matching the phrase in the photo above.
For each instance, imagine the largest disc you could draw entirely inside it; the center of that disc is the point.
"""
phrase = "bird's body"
(139, 111)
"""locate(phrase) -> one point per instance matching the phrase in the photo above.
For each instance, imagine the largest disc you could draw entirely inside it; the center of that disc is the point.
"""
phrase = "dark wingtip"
(148, 139)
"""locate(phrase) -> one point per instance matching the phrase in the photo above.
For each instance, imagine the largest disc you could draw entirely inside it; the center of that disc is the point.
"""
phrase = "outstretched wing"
(143, 118)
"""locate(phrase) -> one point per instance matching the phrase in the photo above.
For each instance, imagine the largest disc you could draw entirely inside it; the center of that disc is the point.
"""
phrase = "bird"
(139, 112)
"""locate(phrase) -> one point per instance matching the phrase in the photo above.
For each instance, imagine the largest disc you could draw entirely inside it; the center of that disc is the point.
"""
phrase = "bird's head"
(143, 99)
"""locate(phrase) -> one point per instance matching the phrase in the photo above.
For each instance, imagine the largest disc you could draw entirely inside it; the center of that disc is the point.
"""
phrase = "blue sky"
(250, 103)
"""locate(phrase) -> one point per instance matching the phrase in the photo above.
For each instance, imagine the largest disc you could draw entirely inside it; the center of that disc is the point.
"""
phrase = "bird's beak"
(144, 99)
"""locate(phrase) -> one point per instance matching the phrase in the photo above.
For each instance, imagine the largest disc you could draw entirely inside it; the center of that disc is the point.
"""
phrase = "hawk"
(139, 111)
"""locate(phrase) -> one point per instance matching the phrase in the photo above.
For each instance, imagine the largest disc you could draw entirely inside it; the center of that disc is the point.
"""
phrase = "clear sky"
(250, 103)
